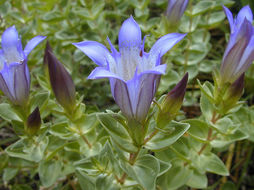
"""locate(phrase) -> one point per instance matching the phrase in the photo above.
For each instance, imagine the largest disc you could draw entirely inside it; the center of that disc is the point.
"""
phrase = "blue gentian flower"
(175, 10)
(14, 72)
(134, 75)
(239, 53)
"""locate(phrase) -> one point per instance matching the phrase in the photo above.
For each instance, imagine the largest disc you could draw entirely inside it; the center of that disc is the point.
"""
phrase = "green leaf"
(167, 136)
(61, 130)
(40, 100)
(7, 113)
(104, 182)
(197, 180)
(201, 7)
(28, 149)
(117, 132)
(9, 173)
(214, 164)
(176, 177)
(164, 167)
(145, 171)
(229, 186)
(187, 25)
(49, 171)
(86, 182)
(198, 129)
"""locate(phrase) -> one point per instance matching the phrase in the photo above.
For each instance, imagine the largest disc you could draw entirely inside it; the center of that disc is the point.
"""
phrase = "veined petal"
(230, 19)
(245, 12)
(129, 34)
(147, 89)
(247, 59)
(11, 45)
(7, 74)
(5, 89)
(159, 70)
(21, 84)
(102, 72)
(165, 43)
(122, 98)
(33, 43)
(95, 51)
(2, 59)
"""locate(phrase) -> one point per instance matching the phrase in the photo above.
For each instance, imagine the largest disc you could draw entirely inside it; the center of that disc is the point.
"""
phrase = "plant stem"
(214, 119)
(229, 161)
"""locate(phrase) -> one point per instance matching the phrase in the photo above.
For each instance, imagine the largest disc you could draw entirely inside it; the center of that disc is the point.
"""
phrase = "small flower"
(33, 123)
(61, 81)
(14, 72)
(175, 10)
(239, 53)
(134, 75)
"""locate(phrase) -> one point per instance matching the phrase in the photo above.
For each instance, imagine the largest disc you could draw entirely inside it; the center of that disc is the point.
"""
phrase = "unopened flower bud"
(233, 93)
(33, 122)
(173, 101)
(61, 81)
(175, 10)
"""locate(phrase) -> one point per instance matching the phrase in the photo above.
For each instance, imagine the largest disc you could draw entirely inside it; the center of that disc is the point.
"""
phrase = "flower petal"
(11, 45)
(165, 43)
(245, 12)
(2, 59)
(7, 74)
(129, 34)
(102, 72)
(230, 19)
(5, 89)
(122, 98)
(159, 70)
(21, 84)
(148, 86)
(247, 59)
(33, 43)
(95, 51)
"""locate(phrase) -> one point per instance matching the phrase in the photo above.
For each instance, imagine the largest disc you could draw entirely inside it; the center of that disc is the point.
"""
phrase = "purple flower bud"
(14, 72)
(233, 93)
(175, 10)
(61, 81)
(239, 53)
(174, 99)
(133, 74)
(33, 123)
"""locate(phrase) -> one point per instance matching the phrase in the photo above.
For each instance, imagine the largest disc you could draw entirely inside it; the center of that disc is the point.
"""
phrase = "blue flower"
(14, 72)
(175, 10)
(134, 75)
(239, 53)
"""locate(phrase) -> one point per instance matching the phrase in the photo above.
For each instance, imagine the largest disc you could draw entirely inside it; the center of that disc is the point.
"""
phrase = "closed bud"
(173, 101)
(175, 10)
(33, 123)
(233, 93)
(61, 81)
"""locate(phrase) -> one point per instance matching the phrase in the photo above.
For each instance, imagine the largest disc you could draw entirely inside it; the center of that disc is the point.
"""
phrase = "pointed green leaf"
(144, 171)
(167, 136)
(117, 132)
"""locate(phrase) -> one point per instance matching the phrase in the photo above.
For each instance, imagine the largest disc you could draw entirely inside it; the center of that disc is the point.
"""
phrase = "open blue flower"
(239, 53)
(14, 72)
(134, 75)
